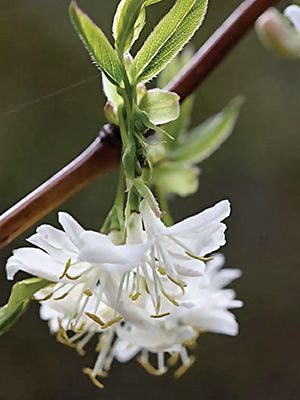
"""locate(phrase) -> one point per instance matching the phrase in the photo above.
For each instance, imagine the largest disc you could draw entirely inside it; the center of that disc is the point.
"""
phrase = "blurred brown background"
(258, 169)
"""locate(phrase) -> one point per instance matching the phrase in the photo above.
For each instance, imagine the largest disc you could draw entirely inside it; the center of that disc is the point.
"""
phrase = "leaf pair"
(163, 44)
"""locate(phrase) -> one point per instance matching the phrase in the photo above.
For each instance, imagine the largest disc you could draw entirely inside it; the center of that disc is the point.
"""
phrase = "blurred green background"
(258, 169)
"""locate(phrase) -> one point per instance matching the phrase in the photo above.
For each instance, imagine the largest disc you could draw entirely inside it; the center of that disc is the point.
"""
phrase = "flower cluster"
(155, 294)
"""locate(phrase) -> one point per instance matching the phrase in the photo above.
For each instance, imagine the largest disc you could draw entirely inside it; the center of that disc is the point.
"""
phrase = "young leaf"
(97, 44)
(161, 106)
(176, 178)
(207, 138)
(168, 38)
(19, 301)
(128, 19)
(128, 23)
(180, 126)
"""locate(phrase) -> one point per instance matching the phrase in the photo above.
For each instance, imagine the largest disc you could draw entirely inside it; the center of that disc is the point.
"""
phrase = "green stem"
(164, 205)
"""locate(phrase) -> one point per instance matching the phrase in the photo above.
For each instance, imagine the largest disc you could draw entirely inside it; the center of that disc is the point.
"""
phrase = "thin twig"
(104, 153)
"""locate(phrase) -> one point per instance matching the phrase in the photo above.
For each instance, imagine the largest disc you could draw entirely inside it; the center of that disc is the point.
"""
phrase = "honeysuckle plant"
(142, 284)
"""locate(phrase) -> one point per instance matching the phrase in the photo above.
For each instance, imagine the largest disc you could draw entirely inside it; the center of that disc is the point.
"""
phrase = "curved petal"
(98, 249)
(72, 228)
(124, 351)
(201, 221)
(34, 262)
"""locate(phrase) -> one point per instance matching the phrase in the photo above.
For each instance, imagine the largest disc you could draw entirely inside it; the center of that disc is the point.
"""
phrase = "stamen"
(95, 381)
(73, 278)
(47, 297)
(88, 293)
(106, 342)
(112, 322)
(149, 368)
(80, 346)
(161, 362)
(67, 267)
(170, 298)
(162, 271)
(81, 311)
(173, 360)
(135, 296)
(204, 259)
(63, 296)
(160, 315)
(184, 368)
(178, 282)
(154, 275)
(77, 330)
(63, 338)
(96, 319)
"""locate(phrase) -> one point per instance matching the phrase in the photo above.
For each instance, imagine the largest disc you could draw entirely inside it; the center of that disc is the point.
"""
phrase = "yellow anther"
(79, 329)
(63, 296)
(162, 271)
(146, 286)
(173, 360)
(73, 278)
(199, 258)
(112, 322)
(95, 318)
(158, 305)
(80, 351)
(89, 372)
(88, 293)
(191, 343)
(150, 369)
(135, 296)
(63, 338)
(47, 297)
(184, 368)
(170, 298)
(178, 282)
(160, 315)
(67, 267)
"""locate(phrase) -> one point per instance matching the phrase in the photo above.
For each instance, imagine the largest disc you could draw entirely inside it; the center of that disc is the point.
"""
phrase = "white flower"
(77, 262)
(180, 251)
(204, 307)
(73, 254)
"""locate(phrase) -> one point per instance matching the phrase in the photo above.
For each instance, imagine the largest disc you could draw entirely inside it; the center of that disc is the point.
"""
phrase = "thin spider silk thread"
(47, 96)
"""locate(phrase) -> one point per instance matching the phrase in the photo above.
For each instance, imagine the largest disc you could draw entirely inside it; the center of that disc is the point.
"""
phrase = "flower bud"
(278, 35)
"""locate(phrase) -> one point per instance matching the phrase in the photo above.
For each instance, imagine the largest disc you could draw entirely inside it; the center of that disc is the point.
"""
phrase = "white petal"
(153, 224)
(293, 13)
(217, 321)
(97, 249)
(55, 237)
(34, 262)
(201, 221)
(71, 227)
(124, 351)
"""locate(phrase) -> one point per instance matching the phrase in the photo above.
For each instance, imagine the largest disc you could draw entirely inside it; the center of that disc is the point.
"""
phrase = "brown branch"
(104, 152)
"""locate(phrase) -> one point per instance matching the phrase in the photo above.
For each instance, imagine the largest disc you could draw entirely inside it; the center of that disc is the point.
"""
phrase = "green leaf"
(128, 23)
(161, 106)
(97, 44)
(19, 301)
(176, 178)
(207, 138)
(180, 126)
(168, 38)
(143, 118)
